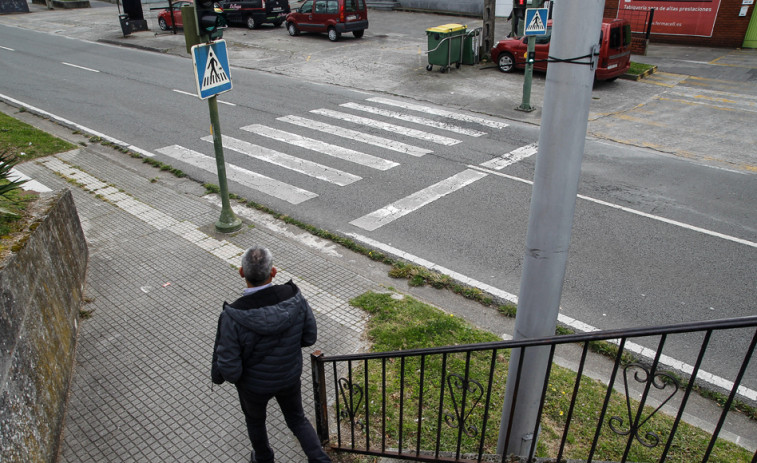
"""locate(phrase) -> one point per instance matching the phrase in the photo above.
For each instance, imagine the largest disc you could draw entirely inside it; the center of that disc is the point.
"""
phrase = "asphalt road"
(657, 239)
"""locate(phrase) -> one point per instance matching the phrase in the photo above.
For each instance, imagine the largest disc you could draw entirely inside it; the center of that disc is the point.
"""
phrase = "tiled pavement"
(158, 274)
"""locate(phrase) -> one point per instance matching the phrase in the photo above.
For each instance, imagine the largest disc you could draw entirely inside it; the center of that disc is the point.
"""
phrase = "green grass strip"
(399, 323)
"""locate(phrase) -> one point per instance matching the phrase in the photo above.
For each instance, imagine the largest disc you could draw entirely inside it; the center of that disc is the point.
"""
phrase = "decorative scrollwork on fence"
(472, 390)
(352, 396)
(660, 380)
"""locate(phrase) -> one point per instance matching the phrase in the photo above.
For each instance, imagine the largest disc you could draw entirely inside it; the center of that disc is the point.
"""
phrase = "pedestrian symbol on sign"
(214, 73)
(536, 24)
(536, 21)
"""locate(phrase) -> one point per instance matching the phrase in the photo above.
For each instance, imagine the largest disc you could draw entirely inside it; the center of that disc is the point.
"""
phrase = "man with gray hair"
(258, 348)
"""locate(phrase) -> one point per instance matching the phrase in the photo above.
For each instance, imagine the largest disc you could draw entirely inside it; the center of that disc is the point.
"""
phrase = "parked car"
(253, 13)
(614, 51)
(334, 17)
(164, 17)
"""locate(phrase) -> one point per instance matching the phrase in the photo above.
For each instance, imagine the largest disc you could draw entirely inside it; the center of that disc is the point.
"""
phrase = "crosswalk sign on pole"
(536, 21)
(211, 66)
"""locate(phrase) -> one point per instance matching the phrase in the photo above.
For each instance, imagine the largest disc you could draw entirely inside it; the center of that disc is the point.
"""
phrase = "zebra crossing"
(392, 137)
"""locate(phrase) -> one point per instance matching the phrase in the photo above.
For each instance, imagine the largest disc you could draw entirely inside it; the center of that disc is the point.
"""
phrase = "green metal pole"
(228, 222)
(528, 74)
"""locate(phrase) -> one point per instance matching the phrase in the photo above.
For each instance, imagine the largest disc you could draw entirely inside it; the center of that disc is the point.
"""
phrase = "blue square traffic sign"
(211, 66)
(536, 21)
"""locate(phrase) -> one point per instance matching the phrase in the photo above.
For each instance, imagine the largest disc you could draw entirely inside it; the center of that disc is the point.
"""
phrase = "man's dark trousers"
(290, 401)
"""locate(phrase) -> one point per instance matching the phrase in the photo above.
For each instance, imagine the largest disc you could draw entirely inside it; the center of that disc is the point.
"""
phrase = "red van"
(614, 51)
(335, 17)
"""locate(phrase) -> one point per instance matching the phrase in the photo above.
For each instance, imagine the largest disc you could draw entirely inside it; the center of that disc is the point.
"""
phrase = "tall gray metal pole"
(558, 167)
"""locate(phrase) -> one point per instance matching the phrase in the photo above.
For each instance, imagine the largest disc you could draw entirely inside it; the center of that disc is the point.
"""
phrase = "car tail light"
(341, 13)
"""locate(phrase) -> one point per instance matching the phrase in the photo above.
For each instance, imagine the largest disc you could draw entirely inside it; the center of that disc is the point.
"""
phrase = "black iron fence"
(446, 404)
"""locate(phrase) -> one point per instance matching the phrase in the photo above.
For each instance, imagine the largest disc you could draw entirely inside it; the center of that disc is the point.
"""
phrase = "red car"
(614, 51)
(164, 17)
(334, 17)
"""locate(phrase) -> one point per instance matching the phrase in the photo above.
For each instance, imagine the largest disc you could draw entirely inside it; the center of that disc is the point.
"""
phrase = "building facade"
(712, 23)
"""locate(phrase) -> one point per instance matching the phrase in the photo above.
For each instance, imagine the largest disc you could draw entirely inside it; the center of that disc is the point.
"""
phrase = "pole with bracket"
(525, 104)
(228, 222)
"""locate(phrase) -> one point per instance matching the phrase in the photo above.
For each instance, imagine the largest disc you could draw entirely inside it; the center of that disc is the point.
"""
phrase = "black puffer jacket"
(260, 337)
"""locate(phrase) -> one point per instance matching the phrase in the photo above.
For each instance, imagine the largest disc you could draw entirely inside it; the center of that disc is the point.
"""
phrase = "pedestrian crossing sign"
(211, 66)
(536, 21)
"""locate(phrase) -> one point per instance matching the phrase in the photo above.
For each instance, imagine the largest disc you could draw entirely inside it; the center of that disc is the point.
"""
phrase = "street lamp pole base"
(525, 107)
(229, 226)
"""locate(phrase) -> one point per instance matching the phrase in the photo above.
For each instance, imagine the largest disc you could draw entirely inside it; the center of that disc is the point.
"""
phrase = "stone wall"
(41, 290)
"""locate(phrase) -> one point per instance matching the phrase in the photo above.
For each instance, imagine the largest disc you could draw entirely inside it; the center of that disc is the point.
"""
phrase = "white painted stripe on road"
(564, 319)
(440, 112)
(303, 166)
(634, 211)
(79, 67)
(512, 157)
(30, 184)
(196, 96)
(415, 201)
(357, 136)
(326, 148)
(267, 185)
(6, 48)
(398, 129)
(671, 222)
(413, 119)
(664, 359)
(186, 93)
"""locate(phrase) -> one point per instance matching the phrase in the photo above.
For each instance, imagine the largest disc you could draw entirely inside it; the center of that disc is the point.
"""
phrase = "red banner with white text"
(674, 17)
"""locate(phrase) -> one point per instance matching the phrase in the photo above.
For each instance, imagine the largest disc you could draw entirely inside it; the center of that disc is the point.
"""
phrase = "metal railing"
(445, 404)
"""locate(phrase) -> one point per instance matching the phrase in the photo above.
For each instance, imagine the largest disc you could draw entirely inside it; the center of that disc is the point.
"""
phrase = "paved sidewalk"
(158, 274)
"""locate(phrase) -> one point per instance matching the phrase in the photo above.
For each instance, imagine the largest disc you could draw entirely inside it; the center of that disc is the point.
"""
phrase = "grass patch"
(16, 202)
(26, 142)
(405, 323)
(638, 69)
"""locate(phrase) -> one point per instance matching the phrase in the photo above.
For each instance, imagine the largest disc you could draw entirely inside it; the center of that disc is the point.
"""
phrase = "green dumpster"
(445, 46)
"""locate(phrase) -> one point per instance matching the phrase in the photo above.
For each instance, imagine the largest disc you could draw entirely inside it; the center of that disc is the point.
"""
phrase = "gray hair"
(257, 263)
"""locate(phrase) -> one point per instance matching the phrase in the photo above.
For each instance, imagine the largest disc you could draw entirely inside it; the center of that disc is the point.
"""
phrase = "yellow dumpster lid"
(447, 28)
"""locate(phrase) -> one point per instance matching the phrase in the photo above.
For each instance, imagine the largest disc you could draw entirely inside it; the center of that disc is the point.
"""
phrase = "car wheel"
(506, 63)
(292, 29)
(251, 23)
(278, 22)
(358, 34)
(333, 34)
(163, 24)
